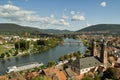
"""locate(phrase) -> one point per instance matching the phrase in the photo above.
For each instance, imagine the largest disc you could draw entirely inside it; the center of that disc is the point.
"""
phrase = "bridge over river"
(72, 42)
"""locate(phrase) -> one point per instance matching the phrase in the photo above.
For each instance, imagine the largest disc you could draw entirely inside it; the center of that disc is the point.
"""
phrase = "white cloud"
(16, 14)
(103, 4)
(88, 24)
(52, 15)
(63, 22)
(64, 16)
(78, 17)
(72, 12)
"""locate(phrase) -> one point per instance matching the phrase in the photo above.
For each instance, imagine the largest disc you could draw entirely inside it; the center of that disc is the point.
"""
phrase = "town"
(99, 62)
(59, 40)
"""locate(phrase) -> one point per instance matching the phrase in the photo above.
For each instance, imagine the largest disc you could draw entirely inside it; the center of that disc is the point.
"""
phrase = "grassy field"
(3, 49)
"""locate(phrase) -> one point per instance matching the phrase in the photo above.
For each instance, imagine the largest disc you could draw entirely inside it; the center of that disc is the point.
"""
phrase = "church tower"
(94, 48)
(104, 54)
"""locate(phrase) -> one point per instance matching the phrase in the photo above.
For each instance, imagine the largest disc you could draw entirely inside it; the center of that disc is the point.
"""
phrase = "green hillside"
(9, 27)
(14, 28)
(102, 27)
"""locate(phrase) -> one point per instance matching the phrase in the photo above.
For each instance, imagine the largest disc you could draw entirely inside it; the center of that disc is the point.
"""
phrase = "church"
(84, 65)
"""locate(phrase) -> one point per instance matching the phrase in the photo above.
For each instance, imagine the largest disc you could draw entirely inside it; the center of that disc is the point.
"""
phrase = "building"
(117, 69)
(30, 75)
(55, 73)
(15, 76)
(3, 77)
(84, 65)
(69, 74)
(104, 54)
(94, 49)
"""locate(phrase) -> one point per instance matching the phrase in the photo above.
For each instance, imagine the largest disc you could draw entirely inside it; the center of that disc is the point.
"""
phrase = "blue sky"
(60, 14)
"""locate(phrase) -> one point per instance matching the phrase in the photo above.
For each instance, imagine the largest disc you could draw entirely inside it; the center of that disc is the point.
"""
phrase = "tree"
(66, 56)
(87, 78)
(23, 45)
(65, 66)
(78, 52)
(51, 63)
(70, 55)
(2, 55)
(16, 53)
(97, 77)
(40, 42)
(17, 45)
(43, 67)
(78, 57)
(70, 60)
(61, 58)
(36, 69)
(75, 54)
(90, 77)
(109, 73)
(7, 54)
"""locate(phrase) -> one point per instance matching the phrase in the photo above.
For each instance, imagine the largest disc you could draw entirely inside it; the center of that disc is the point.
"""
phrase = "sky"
(60, 14)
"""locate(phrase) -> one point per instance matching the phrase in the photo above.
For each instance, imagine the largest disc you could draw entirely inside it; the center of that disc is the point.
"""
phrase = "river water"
(45, 57)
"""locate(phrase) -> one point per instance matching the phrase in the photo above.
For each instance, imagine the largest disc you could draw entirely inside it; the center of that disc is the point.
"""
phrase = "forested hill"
(102, 27)
(15, 28)
(9, 27)
(55, 31)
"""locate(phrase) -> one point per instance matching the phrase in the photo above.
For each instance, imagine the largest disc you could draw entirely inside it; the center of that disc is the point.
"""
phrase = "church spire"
(94, 48)
(104, 54)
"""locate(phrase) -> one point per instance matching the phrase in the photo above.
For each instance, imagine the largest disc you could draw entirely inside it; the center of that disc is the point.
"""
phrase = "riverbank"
(52, 54)
(25, 48)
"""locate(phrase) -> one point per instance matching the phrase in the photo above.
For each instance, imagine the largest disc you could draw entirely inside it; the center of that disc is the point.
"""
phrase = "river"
(45, 57)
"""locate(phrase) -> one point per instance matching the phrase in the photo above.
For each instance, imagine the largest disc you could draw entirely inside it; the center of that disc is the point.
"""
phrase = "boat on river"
(23, 67)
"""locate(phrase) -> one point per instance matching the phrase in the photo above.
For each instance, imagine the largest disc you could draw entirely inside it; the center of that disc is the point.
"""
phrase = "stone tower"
(94, 48)
(104, 54)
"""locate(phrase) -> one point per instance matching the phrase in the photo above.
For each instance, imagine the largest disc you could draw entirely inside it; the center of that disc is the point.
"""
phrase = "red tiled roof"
(29, 75)
(3, 77)
(78, 77)
(117, 72)
(55, 71)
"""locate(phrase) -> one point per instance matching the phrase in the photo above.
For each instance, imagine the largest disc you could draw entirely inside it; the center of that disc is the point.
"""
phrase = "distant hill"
(102, 27)
(9, 27)
(55, 31)
(15, 28)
